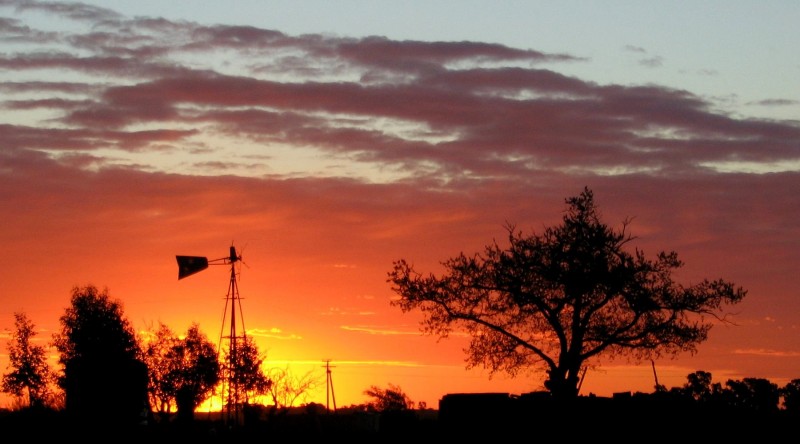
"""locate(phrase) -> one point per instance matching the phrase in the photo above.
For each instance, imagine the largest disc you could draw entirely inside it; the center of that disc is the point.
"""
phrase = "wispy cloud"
(768, 353)
(379, 331)
(776, 102)
(273, 333)
(360, 363)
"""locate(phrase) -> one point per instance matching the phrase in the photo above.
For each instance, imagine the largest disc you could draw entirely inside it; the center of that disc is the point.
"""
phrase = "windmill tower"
(232, 396)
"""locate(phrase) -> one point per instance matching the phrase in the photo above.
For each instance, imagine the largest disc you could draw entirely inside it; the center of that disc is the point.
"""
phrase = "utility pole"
(655, 375)
(329, 387)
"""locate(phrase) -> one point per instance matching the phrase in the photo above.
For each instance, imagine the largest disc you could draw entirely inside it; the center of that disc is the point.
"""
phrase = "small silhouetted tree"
(561, 299)
(394, 407)
(699, 386)
(29, 374)
(247, 372)
(287, 388)
(791, 396)
(162, 385)
(189, 371)
(390, 399)
(103, 375)
(700, 391)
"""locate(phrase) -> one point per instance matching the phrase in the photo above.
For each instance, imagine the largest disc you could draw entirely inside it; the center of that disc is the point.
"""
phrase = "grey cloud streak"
(497, 119)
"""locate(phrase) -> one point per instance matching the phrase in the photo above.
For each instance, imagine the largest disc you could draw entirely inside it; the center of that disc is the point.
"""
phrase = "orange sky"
(324, 159)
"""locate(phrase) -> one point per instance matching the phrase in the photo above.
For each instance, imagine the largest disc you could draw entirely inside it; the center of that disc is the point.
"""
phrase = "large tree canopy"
(104, 377)
(560, 299)
(95, 326)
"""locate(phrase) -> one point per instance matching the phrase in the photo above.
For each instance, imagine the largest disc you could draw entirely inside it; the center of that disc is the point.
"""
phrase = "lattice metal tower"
(231, 394)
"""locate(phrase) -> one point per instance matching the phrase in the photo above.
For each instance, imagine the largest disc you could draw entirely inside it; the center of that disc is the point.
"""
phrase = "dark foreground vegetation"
(626, 417)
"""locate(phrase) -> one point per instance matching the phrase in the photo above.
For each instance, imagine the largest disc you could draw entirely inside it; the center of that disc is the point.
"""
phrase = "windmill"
(189, 265)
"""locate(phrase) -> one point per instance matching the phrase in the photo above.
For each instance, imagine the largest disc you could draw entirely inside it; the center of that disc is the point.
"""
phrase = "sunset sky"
(325, 140)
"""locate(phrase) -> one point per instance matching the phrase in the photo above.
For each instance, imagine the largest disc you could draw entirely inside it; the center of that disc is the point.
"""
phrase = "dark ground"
(543, 422)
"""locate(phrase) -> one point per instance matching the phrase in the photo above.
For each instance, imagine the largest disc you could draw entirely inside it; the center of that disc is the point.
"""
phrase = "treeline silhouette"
(107, 387)
(751, 407)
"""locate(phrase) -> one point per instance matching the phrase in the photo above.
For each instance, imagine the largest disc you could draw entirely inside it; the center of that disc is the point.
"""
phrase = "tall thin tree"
(29, 374)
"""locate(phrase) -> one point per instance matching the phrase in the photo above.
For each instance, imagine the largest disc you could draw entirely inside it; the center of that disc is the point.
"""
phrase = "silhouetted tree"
(389, 399)
(29, 374)
(182, 372)
(791, 396)
(286, 388)
(752, 394)
(562, 299)
(394, 407)
(700, 392)
(161, 386)
(103, 375)
(699, 386)
(247, 372)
